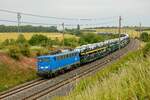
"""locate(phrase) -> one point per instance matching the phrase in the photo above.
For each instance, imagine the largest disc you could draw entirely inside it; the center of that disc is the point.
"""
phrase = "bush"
(21, 39)
(14, 52)
(18, 47)
(90, 38)
(25, 50)
(8, 42)
(39, 40)
(146, 50)
(144, 37)
(46, 43)
(56, 42)
(73, 42)
(1, 47)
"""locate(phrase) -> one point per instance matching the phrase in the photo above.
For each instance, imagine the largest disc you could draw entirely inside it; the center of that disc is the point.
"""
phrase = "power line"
(63, 33)
(24, 22)
(19, 18)
(119, 31)
(66, 24)
(34, 15)
(140, 29)
(41, 16)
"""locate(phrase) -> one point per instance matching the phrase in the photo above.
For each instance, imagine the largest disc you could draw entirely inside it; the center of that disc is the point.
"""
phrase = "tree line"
(28, 28)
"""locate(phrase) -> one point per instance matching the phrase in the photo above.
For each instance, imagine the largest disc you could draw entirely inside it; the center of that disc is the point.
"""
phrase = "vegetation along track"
(47, 86)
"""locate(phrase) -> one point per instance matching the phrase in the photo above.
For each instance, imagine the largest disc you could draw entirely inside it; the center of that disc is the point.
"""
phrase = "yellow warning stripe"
(93, 51)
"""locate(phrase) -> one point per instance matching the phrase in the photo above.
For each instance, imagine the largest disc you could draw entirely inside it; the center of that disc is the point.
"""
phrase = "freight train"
(51, 64)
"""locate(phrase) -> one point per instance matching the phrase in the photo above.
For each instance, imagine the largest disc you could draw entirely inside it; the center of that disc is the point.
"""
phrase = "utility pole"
(63, 26)
(119, 30)
(140, 29)
(19, 21)
(125, 29)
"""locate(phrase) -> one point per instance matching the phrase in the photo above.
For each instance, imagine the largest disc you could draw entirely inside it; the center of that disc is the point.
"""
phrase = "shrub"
(56, 42)
(25, 50)
(144, 37)
(73, 42)
(8, 42)
(90, 38)
(14, 52)
(146, 50)
(21, 39)
(1, 47)
(38, 39)
(46, 43)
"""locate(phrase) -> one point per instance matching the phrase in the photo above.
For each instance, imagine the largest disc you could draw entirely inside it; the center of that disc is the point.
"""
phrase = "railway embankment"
(13, 73)
(128, 78)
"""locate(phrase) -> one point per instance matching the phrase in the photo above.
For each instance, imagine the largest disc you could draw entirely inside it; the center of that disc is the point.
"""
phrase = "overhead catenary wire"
(83, 22)
(35, 23)
(60, 18)
(24, 22)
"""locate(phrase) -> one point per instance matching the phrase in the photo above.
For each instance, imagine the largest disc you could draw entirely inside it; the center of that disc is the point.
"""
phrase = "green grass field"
(126, 79)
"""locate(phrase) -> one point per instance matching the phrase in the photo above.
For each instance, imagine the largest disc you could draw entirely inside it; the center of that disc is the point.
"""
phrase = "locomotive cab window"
(43, 60)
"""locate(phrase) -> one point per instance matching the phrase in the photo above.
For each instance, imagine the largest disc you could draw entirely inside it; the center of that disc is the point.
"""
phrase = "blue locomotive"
(51, 64)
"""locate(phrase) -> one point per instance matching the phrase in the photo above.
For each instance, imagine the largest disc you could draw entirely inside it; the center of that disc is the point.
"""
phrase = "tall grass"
(11, 76)
(127, 79)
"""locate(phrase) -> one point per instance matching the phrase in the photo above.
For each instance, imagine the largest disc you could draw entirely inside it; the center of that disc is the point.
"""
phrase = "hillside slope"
(14, 72)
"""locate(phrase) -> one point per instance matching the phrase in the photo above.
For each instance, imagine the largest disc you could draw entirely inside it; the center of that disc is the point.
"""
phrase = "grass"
(126, 79)
(11, 76)
(4, 36)
(148, 31)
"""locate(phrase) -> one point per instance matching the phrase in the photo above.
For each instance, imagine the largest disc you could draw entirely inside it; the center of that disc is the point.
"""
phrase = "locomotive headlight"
(46, 67)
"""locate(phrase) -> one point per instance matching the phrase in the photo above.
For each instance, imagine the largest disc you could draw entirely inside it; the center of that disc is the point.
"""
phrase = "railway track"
(40, 88)
(67, 81)
(21, 87)
(93, 68)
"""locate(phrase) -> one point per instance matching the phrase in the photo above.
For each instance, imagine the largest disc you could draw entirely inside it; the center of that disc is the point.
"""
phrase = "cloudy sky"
(132, 11)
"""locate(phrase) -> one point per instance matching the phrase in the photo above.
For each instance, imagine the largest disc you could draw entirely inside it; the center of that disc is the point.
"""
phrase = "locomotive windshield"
(43, 60)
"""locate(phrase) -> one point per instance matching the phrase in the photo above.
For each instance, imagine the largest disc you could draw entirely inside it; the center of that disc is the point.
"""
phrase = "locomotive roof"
(60, 54)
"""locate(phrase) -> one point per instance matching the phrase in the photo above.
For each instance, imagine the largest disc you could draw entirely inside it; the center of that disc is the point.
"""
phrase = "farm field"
(147, 32)
(131, 32)
(4, 36)
(14, 35)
